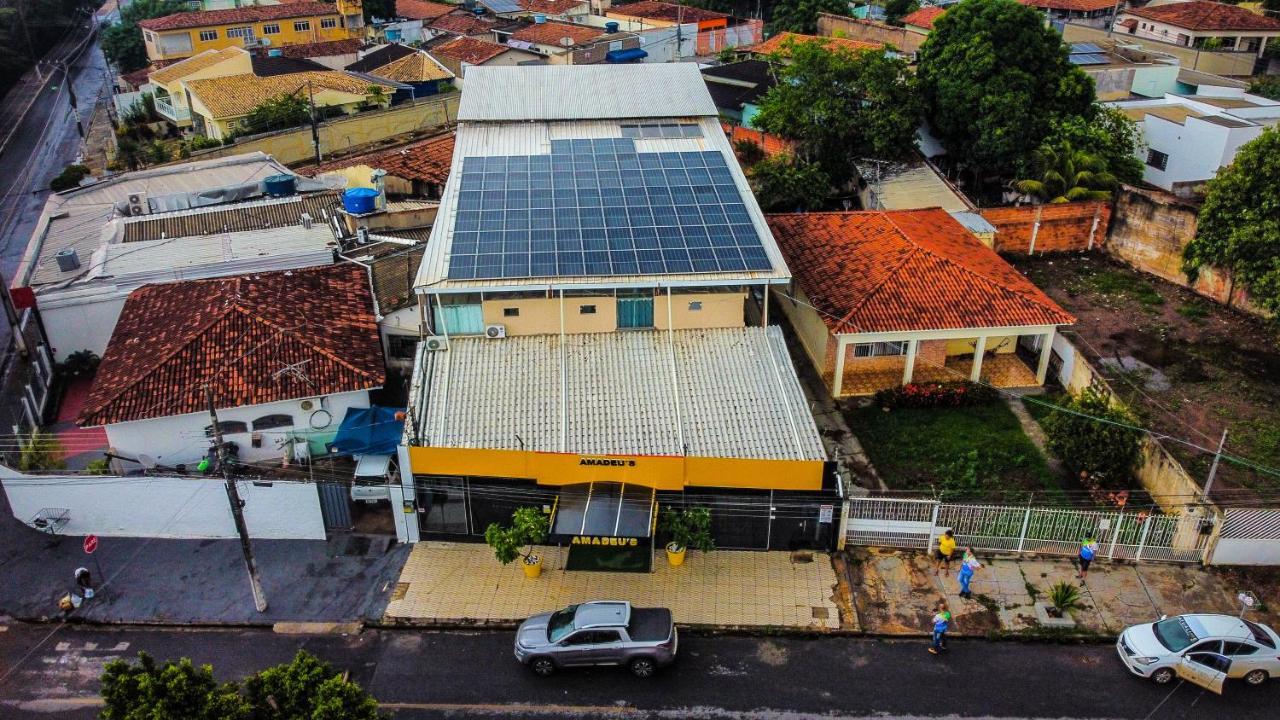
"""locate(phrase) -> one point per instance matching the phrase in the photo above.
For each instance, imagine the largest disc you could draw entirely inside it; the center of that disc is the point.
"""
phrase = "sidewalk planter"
(1047, 620)
(532, 566)
(689, 528)
(529, 527)
(675, 554)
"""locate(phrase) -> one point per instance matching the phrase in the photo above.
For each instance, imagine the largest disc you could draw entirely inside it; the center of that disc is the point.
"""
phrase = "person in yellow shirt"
(946, 548)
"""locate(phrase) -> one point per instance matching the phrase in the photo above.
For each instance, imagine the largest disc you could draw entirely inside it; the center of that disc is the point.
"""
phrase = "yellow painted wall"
(719, 310)
(964, 346)
(219, 128)
(239, 64)
(661, 472)
(813, 332)
(286, 36)
(541, 316)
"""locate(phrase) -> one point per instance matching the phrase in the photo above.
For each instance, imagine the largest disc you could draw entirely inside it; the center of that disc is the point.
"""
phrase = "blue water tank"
(280, 185)
(539, 19)
(611, 27)
(359, 201)
(275, 52)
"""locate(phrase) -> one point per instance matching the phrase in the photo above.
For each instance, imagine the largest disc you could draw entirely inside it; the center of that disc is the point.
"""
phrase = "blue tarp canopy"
(368, 431)
(625, 56)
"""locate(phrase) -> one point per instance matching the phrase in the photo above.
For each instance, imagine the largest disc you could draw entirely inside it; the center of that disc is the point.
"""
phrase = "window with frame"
(511, 312)
(1157, 159)
(662, 130)
(239, 32)
(271, 422)
(880, 349)
(402, 347)
(301, 25)
(586, 309)
(271, 29)
(149, 36)
(208, 35)
(328, 23)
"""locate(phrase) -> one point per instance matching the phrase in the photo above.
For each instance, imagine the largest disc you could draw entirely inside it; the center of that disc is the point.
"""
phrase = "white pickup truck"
(373, 478)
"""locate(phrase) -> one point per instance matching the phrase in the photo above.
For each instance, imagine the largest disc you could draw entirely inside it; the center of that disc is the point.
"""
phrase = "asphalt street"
(50, 671)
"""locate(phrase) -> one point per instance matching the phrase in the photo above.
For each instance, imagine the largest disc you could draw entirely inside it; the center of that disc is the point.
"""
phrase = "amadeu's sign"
(611, 541)
(605, 462)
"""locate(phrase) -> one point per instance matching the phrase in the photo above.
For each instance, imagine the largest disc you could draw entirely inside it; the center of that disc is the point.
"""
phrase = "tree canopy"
(1239, 224)
(1065, 174)
(837, 105)
(122, 42)
(784, 184)
(1107, 134)
(285, 111)
(994, 77)
(801, 16)
(1092, 445)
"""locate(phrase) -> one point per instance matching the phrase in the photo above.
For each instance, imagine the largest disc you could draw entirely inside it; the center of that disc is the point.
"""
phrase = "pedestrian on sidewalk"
(946, 548)
(1088, 551)
(968, 566)
(941, 622)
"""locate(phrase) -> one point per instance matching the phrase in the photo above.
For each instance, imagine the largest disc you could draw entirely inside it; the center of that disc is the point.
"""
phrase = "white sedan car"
(1202, 649)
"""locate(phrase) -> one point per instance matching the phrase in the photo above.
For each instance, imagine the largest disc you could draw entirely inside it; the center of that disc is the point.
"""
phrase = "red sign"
(90, 544)
(23, 298)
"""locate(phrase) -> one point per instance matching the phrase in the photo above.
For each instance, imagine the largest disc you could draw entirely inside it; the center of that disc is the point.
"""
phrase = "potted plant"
(688, 529)
(529, 527)
(1063, 598)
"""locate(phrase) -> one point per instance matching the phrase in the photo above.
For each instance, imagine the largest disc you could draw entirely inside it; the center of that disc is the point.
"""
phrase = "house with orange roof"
(1202, 24)
(461, 53)
(885, 298)
(663, 14)
(254, 26)
(779, 46)
(1086, 12)
(922, 20)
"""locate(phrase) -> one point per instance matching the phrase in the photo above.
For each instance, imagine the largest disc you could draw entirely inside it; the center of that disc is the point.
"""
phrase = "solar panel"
(501, 6)
(1085, 47)
(1088, 59)
(599, 207)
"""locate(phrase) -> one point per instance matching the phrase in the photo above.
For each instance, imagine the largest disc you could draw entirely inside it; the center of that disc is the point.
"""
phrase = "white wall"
(169, 507)
(401, 322)
(181, 439)
(1196, 149)
(81, 323)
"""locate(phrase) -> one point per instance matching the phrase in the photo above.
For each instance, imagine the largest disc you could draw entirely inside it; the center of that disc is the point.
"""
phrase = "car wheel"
(1163, 676)
(542, 666)
(1256, 677)
(643, 667)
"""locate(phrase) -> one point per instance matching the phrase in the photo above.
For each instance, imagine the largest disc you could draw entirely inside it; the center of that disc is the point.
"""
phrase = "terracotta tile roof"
(194, 64)
(924, 17)
(422, 10)
(905, 270)
(462, 23)
(551, 33)
(550, 7)
(666, 11)
(473, 51)
(1202, 15)
(328, 48)
(142, 76)
(779, 44)
(231, 16)
(238, 334)
(425, 160)
(237, 95)
(414, 68)
(1072, 5)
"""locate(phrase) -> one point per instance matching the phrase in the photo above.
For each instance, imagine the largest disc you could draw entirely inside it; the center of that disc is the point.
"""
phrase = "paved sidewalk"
(896, 592)
(460, 583)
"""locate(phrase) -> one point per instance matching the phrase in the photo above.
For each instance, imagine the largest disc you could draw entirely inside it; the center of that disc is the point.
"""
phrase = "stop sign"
(90, 544)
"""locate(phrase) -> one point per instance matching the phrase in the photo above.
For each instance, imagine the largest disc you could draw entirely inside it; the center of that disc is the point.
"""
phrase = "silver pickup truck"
(601, 632)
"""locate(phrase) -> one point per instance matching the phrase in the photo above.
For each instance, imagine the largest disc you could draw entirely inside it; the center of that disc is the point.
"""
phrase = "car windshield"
(1260, 635)
(561, 623)
(1174, 634)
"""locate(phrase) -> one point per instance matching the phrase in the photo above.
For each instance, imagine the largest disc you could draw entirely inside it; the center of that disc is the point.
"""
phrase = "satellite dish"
(566, 41)
(147, 462)
(266, 42)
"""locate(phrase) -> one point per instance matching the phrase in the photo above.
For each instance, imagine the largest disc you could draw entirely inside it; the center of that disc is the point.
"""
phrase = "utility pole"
(237, 507)
(1213, 469)
(315, 132)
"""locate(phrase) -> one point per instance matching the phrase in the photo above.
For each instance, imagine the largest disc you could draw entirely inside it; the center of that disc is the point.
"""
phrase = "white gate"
(1249, 537)
(891, 523)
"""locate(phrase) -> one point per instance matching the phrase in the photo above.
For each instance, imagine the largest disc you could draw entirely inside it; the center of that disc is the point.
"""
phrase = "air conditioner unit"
(138, 204)
(436, 343)
(310, 404)
(493, 332)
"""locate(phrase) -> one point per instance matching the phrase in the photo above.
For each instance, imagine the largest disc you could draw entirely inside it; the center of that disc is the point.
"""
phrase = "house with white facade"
(1201, 24)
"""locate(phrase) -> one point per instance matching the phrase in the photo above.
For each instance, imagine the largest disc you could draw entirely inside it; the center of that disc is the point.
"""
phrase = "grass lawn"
(976, 454)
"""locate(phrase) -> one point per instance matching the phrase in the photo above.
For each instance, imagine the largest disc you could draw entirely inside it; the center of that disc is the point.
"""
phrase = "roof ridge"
(887, 277)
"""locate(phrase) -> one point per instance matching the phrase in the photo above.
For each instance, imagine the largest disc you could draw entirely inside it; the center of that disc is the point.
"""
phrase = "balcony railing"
(166, 108)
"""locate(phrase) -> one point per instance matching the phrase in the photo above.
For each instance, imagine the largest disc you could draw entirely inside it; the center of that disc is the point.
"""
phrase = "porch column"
(1042, 368)
(841, 343)
(978, 349)
(910, 367)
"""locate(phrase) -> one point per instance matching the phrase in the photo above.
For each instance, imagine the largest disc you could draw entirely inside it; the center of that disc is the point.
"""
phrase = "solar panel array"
(501, 6)
(1088, 59)
(599, 207)
(1085, 47)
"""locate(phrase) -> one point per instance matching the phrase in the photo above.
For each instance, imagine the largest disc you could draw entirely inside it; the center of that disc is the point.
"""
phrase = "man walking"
(941, 622)
(1088, 550)
(946, 547)
(968, 566)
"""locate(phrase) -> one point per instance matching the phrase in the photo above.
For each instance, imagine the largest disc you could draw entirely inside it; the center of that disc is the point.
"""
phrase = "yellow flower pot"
(675, 555)
(532, 566)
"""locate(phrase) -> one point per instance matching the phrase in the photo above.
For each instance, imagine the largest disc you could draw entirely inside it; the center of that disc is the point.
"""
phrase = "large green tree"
(122, 42)
(994, 77)
(1239, 224)
(801, 16)
(1092, 436)
(837, 105)
(784, 184)
(1107, 134)
(285, 111)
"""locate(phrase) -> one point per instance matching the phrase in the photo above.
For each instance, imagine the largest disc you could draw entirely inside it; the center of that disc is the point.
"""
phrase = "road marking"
(90, 646)
(514, 709)
(62, 647)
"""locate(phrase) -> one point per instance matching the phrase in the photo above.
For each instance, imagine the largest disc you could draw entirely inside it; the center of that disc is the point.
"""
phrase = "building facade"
(1203, 25)
(185, 34)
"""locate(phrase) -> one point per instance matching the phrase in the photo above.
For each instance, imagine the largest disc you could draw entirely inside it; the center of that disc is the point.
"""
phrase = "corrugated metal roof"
(584, 92)
(974, 222)
(528, 138)
(735, 395)
(232, 217)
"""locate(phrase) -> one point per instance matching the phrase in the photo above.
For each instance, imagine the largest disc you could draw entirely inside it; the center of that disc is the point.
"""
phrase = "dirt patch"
(1222, 366)
(771, 653)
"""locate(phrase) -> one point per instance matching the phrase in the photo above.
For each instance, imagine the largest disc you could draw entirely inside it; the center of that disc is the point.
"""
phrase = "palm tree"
(1068, 175)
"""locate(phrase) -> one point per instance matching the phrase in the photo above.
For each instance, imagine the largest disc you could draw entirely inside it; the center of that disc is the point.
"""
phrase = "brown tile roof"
(473, 51)
(232, 217)
(905, 270)
(393, 276)
(1072, 5)
(551, 33)
(422, 10)
(426, 160)
(780, 44)
(1206, 16)
(230, 16)
(195, 63)
(462, 23)
(924, 17)
(414, 68)
(238, 335)
(550, 7)
(328, 48)
(666, 11)
(237, 95)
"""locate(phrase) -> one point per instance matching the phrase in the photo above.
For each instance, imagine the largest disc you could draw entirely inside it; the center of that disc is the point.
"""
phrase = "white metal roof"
(584, 92)
(726, 392)
(533, 138)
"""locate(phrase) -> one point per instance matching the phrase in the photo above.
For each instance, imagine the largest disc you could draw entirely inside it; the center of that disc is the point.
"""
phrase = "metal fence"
(1120, 534)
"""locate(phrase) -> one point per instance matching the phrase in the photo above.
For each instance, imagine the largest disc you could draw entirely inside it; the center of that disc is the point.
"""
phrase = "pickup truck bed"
(649, 624)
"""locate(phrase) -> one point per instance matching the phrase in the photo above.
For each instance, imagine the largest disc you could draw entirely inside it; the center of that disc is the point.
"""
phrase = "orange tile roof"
(924, 17)
(328, 48)
(653, 10)
(551, 33)
(550, 7)
(254, 13)
(1073, 5)
(779, 44)
(238, 335)
(414, 68)
(422, 10)
(469, 50)
(1205, 16)
(426, 160)
(462, 23)
(905, 270)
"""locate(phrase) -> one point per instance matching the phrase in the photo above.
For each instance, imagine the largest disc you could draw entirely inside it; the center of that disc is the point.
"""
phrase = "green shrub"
(529, 527)
(689, 528)
(69, 178)
(931, 395)
(42, 451)
(1065, 597)
(1090, 436)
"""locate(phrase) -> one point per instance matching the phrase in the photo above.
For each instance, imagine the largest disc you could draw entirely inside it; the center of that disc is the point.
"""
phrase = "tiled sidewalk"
(463, 583)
